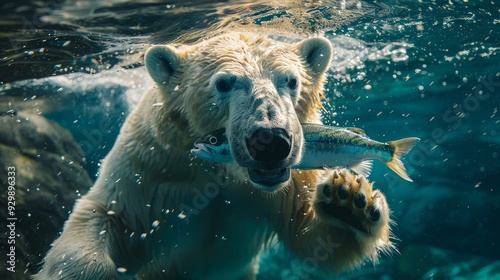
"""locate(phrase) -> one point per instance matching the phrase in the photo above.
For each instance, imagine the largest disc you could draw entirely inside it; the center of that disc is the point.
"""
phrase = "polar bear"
(155, 212)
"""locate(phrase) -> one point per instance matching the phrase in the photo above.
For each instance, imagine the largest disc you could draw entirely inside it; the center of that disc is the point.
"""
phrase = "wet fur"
(150, 179)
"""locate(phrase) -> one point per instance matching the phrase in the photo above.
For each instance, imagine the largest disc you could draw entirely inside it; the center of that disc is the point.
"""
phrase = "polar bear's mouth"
(269, 179)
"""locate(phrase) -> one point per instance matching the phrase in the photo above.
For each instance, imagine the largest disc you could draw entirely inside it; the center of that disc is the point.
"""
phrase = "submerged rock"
(49, 174)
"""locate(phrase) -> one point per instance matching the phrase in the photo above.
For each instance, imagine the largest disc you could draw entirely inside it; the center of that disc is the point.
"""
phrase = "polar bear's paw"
(348, 204)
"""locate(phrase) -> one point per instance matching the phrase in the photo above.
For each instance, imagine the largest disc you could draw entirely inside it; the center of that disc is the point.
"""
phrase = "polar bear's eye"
(225, 84)
(292, 83)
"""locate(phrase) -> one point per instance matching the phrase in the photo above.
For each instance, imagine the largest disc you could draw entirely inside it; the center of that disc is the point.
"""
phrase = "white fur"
(157, 213)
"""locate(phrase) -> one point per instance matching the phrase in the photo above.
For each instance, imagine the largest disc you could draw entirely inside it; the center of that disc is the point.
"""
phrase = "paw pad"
(360, 200)
(348, 201)
(327, 190)
(374, 214)
(342, 191)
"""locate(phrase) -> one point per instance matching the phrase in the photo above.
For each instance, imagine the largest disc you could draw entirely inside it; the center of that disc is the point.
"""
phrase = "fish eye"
(212, 140)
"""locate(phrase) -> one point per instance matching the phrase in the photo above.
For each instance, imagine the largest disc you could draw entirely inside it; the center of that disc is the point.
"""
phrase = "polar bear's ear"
(317, 52)
(161, 62)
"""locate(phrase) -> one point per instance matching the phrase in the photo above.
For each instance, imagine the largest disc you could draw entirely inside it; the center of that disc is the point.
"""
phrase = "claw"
(359, 178)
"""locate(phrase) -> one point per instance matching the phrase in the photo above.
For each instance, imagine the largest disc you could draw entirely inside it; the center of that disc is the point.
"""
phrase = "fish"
(324, 147)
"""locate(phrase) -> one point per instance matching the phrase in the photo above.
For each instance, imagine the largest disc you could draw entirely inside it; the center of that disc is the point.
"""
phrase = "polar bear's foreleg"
(81, 252)
(345, 223)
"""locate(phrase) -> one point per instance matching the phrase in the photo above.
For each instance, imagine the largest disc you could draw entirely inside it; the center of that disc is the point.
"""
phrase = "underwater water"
(429, 69)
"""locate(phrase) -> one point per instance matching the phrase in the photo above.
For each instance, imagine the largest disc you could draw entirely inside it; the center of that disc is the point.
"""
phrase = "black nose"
(269, 145)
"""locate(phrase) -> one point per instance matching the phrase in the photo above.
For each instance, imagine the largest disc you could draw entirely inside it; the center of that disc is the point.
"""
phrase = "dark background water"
(401, 68)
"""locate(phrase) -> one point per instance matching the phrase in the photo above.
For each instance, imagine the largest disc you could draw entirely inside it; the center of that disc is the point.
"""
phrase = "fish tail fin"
(401, 148)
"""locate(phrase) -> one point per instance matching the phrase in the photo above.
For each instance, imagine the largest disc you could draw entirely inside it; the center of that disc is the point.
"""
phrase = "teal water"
(429, 69)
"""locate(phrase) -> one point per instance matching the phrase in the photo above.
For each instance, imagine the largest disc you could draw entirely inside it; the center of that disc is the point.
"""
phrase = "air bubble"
(121, 269)
(155, 224)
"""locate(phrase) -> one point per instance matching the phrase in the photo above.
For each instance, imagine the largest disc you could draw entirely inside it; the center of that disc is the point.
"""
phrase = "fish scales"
(344, 140)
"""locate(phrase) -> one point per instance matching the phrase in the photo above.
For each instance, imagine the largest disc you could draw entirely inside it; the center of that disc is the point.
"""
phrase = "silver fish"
(324, 146)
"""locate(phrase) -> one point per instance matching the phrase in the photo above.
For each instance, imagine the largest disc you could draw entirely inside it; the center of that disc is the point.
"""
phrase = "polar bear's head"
(259, 89)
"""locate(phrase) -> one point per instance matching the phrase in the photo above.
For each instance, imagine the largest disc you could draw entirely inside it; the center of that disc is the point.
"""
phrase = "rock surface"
(50, 175)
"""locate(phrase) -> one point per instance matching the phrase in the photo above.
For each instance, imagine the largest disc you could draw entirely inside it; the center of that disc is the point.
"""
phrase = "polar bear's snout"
(268, 153)
(265, 135)
(269, 145)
